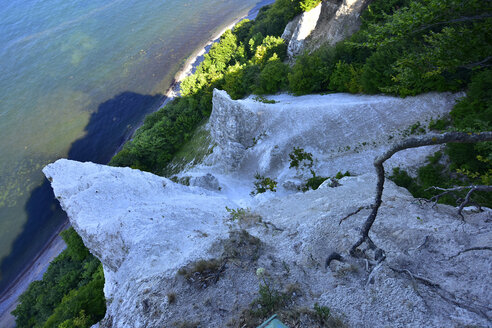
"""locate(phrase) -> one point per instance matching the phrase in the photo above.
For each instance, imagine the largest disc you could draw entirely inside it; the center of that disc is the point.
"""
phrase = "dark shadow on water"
(108, 128)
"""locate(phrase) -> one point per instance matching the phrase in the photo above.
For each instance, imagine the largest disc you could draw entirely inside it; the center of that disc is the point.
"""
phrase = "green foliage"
(323, 312)
(436, 174)
(298, 156)
(314, 181)
(311, 72)
(233, 81)
(270, 299)
(378, 11)
(271, 20)
(75, 247)
(340, 175)
(438, 42)
(236, 214)
(377, 72)
(262, 184)
(242, 30)
(474, 113)
(346, 78)
(270, 47)
(439, 124)
(272, 77)
(307, 5)
(264, 100)
(70, 293)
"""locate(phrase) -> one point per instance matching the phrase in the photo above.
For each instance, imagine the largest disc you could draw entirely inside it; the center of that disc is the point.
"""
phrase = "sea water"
(76, 77)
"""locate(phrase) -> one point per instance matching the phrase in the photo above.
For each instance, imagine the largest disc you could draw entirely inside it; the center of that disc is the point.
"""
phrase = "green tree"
(272, 77)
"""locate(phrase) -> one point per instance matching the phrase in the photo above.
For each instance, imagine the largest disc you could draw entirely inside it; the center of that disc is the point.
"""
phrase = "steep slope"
(150, 232)
(330, 22)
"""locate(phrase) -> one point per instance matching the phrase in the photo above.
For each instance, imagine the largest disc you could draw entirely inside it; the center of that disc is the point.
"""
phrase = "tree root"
(414, 142)
(368, 207)
(446, 295)
(484, 248)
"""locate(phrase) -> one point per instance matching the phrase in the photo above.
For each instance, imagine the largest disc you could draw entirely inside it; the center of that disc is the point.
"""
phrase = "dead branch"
(477, 64)
(333, 257)
(414, 142)
(466, 201)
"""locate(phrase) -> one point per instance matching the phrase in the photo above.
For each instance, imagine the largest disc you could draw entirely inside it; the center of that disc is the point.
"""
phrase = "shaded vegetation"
(70, 294)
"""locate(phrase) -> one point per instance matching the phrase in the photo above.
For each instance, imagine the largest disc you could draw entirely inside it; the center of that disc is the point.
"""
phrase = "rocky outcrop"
(176, 255)
(342, 131)
(298, 30)
(149, 233)
(127, 216)
(330, 22)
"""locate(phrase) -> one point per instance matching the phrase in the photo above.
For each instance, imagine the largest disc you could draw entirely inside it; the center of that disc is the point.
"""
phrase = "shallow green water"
(88, 71)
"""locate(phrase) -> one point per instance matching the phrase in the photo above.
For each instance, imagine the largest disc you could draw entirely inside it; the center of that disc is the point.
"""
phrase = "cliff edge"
(178, 254)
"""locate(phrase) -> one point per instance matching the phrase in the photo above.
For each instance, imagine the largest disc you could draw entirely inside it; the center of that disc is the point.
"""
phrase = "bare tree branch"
(476, 64)
(466, 201)
(414, 142)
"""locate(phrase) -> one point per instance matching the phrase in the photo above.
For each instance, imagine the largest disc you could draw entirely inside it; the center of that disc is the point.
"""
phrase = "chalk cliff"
(330, 22)
(150, 232)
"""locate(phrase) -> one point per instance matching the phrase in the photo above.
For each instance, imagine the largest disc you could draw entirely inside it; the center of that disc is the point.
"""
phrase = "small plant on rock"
(262, 184)
(298, 156)
(341, 175)
(322, 312)
(236, 214)
(270, 299)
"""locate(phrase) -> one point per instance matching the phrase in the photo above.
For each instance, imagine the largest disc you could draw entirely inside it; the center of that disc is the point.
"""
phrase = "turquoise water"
(76, 77)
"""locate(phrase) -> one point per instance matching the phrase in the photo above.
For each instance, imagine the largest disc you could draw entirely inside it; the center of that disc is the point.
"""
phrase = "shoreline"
(194, 60)
(35, 270)
(191, 63)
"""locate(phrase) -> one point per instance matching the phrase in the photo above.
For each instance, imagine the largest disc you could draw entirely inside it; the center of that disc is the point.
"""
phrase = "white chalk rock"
(330, 22)
(138, 224)
(343, 131)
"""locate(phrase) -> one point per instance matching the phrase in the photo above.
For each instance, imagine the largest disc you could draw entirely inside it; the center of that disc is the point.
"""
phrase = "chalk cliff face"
(343, 131)
(330, 22)
(149, 232)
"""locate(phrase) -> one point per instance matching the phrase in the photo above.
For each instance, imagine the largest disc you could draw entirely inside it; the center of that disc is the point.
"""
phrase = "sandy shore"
(35, 271)
(191, 64)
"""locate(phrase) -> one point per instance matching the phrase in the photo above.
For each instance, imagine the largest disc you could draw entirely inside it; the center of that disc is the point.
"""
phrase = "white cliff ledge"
(145, 228)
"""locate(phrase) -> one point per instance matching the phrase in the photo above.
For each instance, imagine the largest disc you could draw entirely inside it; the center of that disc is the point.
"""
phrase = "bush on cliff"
(71, 288)
(311, 72)
(272, 77)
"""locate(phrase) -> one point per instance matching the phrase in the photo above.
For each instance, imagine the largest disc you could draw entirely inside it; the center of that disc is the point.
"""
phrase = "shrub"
(272, 77)
(314, 182)
(70, 293)
(271, 20)
(307, 5)
(269, 47)
(298, 156)
(233, 81)
(378, 71)
(311, 72)
(345, 78)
